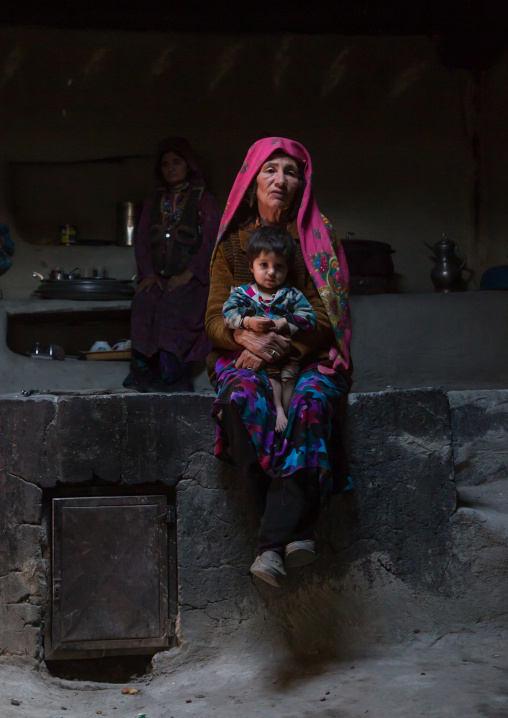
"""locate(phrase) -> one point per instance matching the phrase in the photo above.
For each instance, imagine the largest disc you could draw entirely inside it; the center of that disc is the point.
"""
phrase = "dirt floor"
(456, 675)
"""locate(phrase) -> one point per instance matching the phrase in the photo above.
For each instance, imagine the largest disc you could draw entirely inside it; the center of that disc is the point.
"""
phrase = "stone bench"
(392, 552)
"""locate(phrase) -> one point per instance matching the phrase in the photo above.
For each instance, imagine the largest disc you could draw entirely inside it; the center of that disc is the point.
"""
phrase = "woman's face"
(174, 169)
(277, 185)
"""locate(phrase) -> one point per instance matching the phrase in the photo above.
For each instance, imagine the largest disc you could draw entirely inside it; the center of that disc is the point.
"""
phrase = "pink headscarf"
(323, 252)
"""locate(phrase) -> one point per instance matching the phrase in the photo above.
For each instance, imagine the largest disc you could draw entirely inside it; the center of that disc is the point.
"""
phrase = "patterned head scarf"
(323, 252)
(182, 147)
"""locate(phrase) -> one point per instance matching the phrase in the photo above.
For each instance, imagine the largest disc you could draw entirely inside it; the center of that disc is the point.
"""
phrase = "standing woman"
(290, 477)
(173, 246)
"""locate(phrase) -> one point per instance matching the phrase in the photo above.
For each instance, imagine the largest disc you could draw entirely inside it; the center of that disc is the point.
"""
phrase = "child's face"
(270, 271)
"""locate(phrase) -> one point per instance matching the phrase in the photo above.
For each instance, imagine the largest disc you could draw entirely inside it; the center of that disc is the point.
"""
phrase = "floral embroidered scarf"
(323, 252)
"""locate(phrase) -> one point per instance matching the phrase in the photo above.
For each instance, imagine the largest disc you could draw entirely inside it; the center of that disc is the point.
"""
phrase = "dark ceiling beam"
(469, 33)
(259, 16)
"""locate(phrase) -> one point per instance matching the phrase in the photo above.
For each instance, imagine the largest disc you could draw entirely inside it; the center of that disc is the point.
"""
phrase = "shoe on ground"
(300, 553)
(269, 567)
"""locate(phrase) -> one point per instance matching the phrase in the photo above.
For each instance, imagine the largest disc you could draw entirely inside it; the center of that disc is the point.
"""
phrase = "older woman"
(290, 474)
(173, 246)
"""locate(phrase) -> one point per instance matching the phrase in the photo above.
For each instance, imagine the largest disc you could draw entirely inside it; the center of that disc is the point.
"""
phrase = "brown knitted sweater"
(230, 269)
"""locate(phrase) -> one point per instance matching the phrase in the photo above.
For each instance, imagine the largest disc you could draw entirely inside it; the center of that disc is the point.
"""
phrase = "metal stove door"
(110, 576)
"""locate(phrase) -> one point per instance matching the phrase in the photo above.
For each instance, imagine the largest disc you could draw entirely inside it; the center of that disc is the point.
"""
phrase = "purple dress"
(168, 327)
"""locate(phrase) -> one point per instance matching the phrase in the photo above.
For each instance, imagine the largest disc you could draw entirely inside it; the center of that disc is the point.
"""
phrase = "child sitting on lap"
(268, 304)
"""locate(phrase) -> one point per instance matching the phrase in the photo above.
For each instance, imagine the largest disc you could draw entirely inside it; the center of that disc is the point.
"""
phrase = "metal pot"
(368, 258)
(370, 265)
(57, 275)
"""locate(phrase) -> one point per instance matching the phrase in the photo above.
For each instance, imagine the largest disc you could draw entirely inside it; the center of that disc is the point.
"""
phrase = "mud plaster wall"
(390, 129)
(400, 556)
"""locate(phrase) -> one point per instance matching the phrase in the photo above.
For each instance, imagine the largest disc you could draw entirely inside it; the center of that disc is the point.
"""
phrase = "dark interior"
(74, 331)
(470, 33)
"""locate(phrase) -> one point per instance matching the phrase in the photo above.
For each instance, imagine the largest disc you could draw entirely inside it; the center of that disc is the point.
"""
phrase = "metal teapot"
(447, 272)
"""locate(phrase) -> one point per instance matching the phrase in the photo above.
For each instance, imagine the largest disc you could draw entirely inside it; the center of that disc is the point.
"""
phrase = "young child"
(268, 304)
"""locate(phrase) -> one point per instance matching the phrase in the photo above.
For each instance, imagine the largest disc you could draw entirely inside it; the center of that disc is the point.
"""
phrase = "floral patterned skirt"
(312, 437)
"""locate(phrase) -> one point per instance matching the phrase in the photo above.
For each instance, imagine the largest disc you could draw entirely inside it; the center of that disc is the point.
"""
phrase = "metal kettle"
(447, 272)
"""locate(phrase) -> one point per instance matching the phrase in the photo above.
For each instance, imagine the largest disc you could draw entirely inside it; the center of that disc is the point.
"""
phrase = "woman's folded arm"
(220, 287)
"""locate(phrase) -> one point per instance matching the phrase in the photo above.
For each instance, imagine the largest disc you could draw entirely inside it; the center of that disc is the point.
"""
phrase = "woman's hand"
(271, 347)
(248, 360)
(178, 280)
(148, 283)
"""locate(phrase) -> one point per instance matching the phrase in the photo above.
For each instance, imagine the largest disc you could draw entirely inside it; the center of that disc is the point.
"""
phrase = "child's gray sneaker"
(269, 567)
(299, 553)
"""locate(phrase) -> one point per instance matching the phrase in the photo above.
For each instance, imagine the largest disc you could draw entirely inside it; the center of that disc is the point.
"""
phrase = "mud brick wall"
(391, 552)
